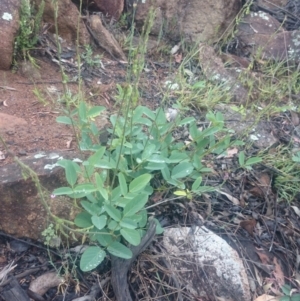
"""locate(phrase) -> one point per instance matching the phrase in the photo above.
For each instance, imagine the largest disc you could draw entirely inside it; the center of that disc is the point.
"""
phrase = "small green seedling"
(288, 294)
(296, 157)
(248, 163)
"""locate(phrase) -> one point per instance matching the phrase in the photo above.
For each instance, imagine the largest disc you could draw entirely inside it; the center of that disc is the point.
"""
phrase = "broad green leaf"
(219, 117)
(139, 183)
(101, 187)
(177, 157)
(163, 130)
(135, 218)
(206, 169)
(295, 297)
(94, 128)
(182, 170)
(135, 205)
(180, 192)
(83, 220)
(82, 111)
(241, 158)
(128, 223)
(119, 250)
(286, 289)
(113, 225)
(144, 121)
(71, 174)
(97, 156)
(123, 184)
(197, 183)
(64, 162)
(285, 298)
(176, 183)
(64, 120)
(210, 131)
(92, 198)
(95, 111)
(148, 151)
(296, 158)
(92, 209)
(91, 258)
(144, 218)
(85, 189)
(253, 160)
(193, 130)
(148, 113)
(201, 145)
(116, 194)
(159, 228)
(88, 171)
(105, 238)
(113, 212)
(161, 116)
(203, 189)
(63, 191)
(199, 85)
(154, 166)
(122, 202)
(157, 159)
(166, 172)
(105, 163)
(132, 236)
(137, 113)
(186, 120)
(123, 165)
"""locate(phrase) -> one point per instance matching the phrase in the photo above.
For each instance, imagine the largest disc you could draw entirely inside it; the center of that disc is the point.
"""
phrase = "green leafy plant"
(296, 157)
(89, 59)
(50, 236)
(30, 22)
(288, 295)
(114, 182)
(247, 164)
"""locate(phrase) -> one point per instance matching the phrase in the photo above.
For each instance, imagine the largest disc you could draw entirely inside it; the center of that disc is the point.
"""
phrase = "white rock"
(205, 264)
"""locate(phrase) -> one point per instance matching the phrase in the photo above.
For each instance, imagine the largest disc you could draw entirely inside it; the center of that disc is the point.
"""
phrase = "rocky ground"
(256, 212)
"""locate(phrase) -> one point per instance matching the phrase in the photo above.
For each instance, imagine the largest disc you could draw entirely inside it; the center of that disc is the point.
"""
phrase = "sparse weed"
(30, 22)
(88, 57)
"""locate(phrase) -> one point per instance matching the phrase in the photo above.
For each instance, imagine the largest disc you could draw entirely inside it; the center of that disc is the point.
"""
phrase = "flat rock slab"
(22, 213)
(263, 34)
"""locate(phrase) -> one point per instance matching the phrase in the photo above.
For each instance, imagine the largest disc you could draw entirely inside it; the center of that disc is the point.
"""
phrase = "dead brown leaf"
(69, 142)
(266, 297)
(297, 210)
(278, 273)
(256, 191)
(178, 57)
(248, 225)
(157, 197)
(231, 152)
(231, 198)
(265, 179)
(295, 118)
(2, 156)
(263, 256)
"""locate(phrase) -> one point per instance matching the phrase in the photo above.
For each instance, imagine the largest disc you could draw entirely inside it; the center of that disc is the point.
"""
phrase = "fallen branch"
(121, 266)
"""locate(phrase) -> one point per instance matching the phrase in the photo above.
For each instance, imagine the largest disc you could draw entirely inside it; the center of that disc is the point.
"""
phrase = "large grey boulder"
(262, 34)
(194, 252)
(194, 20)
(67, 21)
